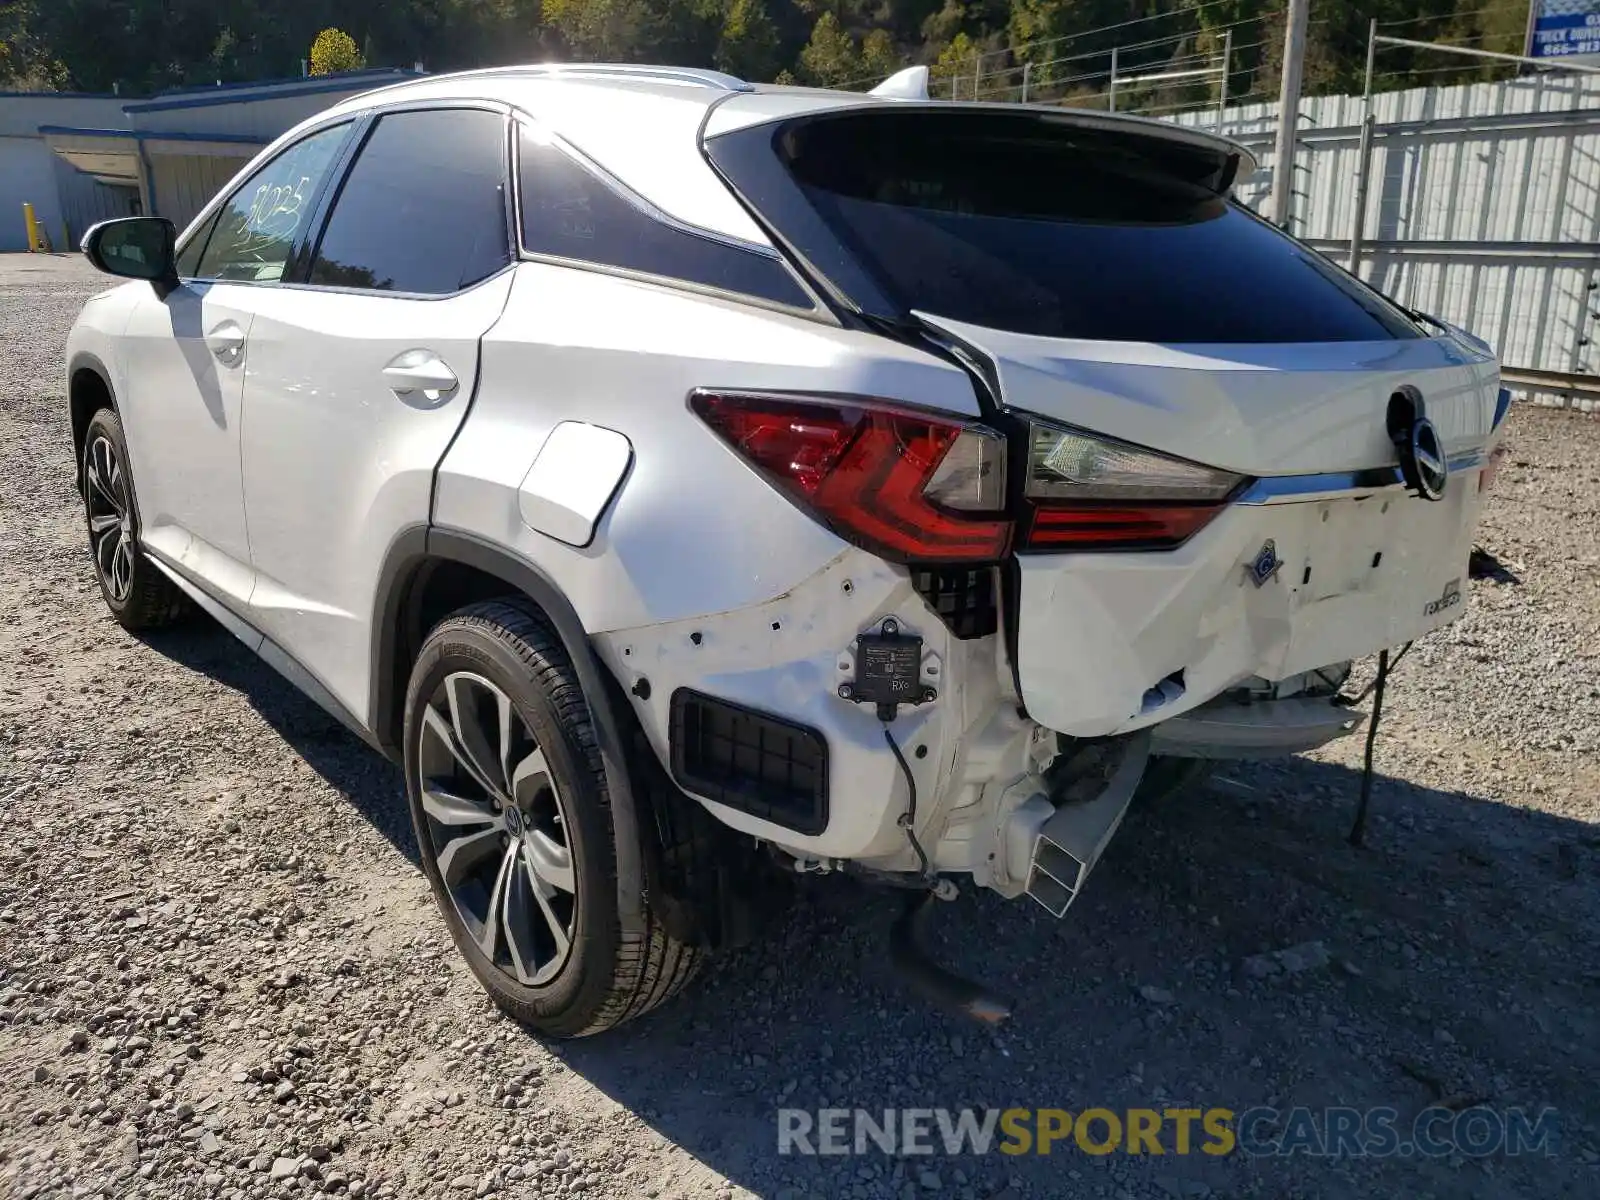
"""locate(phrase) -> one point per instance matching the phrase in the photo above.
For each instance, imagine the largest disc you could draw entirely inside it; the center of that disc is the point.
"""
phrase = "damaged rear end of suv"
(755, 476)
(1208, 470)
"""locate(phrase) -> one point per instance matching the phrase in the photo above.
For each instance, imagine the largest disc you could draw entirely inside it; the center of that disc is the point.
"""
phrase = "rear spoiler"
(908, 89)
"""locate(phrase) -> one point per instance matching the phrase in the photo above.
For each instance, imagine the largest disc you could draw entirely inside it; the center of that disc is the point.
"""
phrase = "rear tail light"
(1088, 492)
(906, 485)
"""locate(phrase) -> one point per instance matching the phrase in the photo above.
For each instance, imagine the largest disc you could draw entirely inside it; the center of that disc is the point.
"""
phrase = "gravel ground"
(221, 973)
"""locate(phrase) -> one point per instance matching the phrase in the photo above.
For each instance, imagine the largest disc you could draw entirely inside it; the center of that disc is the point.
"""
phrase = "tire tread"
(650, 965)
(154, 601)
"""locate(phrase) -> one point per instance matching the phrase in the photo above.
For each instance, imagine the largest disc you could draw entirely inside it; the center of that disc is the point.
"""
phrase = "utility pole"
(1364, 154)
(1294, 53)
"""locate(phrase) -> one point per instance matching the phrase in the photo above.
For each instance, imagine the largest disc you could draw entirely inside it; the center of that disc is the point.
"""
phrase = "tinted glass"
(1038, 227)
(569, 212)
(423, 208)
(188, 263)
(256, 230)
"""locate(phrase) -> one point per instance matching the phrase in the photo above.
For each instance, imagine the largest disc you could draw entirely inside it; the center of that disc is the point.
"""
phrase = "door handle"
(420, 374)
(227, 343)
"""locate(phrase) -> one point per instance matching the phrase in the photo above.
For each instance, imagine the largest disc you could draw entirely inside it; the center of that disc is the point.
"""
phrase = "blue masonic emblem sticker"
(1264, 565)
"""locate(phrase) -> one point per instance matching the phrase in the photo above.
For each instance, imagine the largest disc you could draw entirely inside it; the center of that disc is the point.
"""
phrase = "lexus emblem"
(1423, 464)
(1431, 467)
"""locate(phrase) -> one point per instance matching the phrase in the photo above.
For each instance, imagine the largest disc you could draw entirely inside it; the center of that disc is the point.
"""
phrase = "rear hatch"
(1096, 276)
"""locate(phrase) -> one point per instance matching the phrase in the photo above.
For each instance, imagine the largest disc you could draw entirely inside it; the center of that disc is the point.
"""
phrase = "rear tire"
(498, 741)
(137, 593)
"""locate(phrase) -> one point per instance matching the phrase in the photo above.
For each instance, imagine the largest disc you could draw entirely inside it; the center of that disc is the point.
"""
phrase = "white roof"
(644, 124)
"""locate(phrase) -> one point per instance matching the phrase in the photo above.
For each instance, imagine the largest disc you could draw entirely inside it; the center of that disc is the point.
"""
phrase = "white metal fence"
(1483, 209)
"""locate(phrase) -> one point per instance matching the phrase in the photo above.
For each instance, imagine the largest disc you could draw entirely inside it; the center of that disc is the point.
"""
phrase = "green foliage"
(955, 59)
(143, 46)
(879, 59)
(750, 44)
(830, 58)
(333, 50)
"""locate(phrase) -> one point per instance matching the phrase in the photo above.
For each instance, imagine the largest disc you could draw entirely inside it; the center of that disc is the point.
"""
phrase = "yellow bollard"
(32, 223)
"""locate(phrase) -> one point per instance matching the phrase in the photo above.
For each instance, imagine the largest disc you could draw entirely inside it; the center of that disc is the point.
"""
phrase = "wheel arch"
(88, 391)
(430, 572)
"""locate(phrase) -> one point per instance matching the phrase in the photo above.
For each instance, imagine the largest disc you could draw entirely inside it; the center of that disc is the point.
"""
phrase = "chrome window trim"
(1333, 485)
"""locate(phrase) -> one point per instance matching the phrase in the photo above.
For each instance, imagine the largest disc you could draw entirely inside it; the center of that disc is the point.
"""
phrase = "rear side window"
(423, 209)
(569, 212)
(257, 229)
(1038, 226)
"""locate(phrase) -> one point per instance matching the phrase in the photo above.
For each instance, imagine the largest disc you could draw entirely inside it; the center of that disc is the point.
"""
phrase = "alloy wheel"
(497, 827)
(110, 517)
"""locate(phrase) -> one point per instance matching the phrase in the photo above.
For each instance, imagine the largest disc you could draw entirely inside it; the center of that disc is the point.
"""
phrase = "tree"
(878, 57)
(830, 57)
(335, 50)
(956, 60)
(748, 46)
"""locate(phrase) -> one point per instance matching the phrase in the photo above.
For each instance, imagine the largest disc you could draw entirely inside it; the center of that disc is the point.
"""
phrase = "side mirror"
(135, 248)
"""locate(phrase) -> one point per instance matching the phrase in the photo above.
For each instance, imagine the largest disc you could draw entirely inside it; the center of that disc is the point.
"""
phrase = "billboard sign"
(1564, 28)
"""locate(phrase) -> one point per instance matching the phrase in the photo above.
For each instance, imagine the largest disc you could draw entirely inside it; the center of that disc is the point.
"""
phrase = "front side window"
(255, 232)
(423, 209)
(188, 263)
(569, 212)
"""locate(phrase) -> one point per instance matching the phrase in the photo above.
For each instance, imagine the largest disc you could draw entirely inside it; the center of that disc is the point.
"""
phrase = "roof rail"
(690, 75)
(705, 78)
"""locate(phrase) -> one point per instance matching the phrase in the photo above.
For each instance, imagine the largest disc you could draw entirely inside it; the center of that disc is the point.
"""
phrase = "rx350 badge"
(1451, 598)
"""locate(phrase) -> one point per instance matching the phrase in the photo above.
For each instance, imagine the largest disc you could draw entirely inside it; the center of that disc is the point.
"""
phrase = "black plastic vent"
(964, 598)
(757, 763)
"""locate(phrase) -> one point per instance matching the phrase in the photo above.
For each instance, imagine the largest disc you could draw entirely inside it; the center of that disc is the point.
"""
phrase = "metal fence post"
(1111, 90)
(977, 72)
(1281, 200)
(1026, 69)
(1222, 90)
(1364, 156)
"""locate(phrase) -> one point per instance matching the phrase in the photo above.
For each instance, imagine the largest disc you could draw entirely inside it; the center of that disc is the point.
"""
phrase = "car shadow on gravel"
(371, 784)
(1454, 964)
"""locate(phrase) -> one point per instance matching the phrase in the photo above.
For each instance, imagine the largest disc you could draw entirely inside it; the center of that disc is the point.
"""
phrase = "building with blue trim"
(82, 158)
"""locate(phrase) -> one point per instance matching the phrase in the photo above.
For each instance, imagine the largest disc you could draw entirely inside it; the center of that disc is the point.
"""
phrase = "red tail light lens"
(1089, 492)
(872, 473)
(1110, 528)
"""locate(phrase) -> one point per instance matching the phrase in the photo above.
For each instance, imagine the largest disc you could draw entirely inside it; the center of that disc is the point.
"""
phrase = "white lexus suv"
(685, 479)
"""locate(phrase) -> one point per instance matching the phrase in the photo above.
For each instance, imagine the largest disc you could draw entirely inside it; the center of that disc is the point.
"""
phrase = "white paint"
(572, 479)
(909, 84)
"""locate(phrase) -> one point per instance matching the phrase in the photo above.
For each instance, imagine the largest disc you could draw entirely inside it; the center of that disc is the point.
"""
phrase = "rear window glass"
(1035, 226)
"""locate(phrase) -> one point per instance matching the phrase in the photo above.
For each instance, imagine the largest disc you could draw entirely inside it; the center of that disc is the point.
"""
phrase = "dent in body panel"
(1276, 409)
(1357, 575)
(782, 657)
